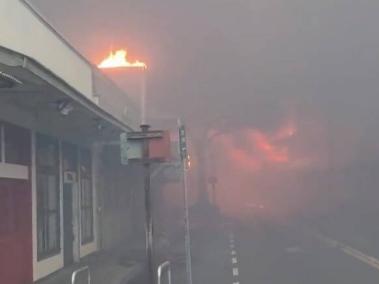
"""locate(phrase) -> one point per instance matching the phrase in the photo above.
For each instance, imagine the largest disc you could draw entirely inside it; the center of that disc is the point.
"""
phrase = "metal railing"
(164, 266)
(80, 271)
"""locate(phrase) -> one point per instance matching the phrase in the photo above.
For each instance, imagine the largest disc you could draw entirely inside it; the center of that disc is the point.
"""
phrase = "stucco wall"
(24, 32)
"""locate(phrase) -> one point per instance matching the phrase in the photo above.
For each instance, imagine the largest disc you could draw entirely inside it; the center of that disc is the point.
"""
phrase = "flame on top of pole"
(119, 59)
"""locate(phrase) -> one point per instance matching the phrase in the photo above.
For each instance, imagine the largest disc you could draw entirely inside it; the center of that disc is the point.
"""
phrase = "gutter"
(51, 78)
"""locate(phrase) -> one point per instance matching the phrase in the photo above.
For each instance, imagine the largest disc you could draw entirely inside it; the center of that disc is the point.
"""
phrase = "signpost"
(184, 157)
(136, 146)
(183, 142)
(149, 219)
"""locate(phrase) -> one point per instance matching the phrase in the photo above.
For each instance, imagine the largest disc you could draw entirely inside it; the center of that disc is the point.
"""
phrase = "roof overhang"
(37, 90)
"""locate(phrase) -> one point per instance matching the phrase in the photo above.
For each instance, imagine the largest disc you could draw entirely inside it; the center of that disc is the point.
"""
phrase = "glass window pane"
(86, 196)
(17, 144)
(52, 193)
(85, 163)
(70, 157)
(40, 237)
(53, 232)
(48, 208)
(47, 152)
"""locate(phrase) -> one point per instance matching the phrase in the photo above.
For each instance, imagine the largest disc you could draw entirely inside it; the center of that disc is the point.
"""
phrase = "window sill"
(14, 171)
(47, 255)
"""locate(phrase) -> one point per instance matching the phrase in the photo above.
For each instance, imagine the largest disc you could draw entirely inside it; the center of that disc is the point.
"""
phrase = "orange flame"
(119, 59)
(271, 152)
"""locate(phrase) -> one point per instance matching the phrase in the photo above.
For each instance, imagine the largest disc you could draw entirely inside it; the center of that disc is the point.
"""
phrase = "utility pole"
(187, 228)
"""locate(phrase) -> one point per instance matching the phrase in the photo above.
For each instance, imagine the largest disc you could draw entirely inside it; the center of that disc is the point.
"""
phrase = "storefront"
(56, 110)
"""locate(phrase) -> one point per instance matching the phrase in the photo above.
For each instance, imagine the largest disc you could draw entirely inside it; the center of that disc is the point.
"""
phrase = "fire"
(271, 152)
(119, 59)
(260, 148)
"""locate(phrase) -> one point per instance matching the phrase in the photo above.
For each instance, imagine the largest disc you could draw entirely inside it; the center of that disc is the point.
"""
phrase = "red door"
(16, 266)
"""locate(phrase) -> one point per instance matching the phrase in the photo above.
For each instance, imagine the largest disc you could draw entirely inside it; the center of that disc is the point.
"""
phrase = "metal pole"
(148, 213)
(143, 97)
(164, 265)
(187, 237)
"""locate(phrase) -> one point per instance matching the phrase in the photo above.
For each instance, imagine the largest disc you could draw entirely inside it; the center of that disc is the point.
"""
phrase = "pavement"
(226, 252)
(111, 267)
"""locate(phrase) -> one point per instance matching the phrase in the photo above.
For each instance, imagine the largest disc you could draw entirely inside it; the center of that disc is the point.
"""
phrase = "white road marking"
(234, 258)
(372, 261)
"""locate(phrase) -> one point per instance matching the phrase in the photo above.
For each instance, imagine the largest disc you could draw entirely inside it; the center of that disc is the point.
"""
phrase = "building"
(59, 117)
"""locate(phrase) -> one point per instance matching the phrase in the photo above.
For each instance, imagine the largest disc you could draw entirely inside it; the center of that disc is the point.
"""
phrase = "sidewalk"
(108, 267)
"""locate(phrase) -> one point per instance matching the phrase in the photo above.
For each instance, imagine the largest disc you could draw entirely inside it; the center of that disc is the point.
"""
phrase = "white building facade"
(57, 114)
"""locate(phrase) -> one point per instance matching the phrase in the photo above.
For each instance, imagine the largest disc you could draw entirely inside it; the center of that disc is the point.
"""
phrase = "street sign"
(160, 148)
(145, 135)
(183, 143)
(131, 146)
(130, 149)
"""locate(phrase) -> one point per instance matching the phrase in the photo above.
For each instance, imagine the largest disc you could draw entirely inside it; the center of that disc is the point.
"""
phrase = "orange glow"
(119, 59)
(245, 160)
(271, 152)
(239, 157)
(189, 162)
(260, 149)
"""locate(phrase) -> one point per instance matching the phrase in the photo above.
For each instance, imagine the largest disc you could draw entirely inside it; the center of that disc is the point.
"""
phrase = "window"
(48, 206)
(16, 145)
(86, 197)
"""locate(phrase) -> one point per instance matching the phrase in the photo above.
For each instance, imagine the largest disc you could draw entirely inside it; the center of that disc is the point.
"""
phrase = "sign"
(160, 148)
(183, 143)
(131, 146)
(145, 135)
(130, 149)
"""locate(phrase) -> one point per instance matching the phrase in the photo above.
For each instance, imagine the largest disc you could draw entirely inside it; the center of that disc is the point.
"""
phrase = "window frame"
(43, 211)
(86, 198)
(20, 138)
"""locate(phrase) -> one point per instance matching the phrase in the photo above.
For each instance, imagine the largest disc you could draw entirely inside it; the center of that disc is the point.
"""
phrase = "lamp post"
(143, 95)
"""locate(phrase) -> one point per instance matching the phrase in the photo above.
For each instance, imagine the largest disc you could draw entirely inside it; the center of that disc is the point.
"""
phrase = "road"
(263, 253)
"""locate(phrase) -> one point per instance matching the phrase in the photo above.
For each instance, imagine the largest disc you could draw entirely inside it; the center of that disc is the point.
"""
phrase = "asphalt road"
(269, 254)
